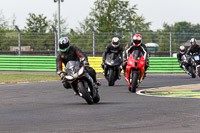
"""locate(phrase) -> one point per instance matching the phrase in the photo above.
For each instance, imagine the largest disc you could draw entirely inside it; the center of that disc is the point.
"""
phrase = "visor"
(115, 43)
(137, 41)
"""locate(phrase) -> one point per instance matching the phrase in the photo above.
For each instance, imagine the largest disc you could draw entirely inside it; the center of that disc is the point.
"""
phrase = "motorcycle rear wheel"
(96, 99)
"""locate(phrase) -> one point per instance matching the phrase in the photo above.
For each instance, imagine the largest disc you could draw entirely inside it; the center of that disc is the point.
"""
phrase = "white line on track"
(140, 92)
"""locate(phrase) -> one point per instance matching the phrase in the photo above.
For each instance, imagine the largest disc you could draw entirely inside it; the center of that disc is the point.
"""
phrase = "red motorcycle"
(135, 68)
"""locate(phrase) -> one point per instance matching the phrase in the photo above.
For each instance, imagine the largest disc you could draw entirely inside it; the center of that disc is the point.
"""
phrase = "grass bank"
(21, 77)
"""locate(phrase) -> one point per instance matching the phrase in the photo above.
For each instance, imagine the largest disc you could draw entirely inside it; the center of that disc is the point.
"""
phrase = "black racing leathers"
(142, 48)
(193, 49)
(73, 54)
(110, 49)
(179, 57)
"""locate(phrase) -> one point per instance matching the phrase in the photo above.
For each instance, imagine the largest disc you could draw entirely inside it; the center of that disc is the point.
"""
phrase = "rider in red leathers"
(136, 44)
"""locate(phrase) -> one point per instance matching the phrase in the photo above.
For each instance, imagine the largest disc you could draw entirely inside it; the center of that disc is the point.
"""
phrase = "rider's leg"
(92, 73)
(119, 73)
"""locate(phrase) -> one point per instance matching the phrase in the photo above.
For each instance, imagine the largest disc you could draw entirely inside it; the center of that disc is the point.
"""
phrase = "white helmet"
(115, 42)
(193, 41)
(182, 49)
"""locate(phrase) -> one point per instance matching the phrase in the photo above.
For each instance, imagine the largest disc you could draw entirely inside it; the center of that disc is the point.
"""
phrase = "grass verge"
(18, 77)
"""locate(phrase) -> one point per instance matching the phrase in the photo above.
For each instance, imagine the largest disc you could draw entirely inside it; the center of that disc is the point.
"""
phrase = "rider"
(194, 47)
(114, 47)
(71, 53)
(180, 53)
(137, 44)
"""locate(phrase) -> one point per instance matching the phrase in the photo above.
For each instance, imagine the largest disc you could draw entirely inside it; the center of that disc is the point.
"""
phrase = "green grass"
(15, 78)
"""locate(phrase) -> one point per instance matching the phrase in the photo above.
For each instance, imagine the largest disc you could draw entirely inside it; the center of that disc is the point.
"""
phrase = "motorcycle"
(188, 65)
(196, 58)
(135, 68)
(112, 66)
(81, 82)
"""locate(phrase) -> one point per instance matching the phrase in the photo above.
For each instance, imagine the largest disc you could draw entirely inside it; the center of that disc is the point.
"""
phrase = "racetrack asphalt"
(46, 107)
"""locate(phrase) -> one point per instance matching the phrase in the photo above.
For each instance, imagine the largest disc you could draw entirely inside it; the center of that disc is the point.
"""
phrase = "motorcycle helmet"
(137, 39)
(64, 44)
(115, 42)
(182, 49)
(193, 41)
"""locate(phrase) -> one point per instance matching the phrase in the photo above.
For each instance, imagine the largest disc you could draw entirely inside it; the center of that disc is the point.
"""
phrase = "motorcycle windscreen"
(72, 67)
(112, 59)
(137, 54)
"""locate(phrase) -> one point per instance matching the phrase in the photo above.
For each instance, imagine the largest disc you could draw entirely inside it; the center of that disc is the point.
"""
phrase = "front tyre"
(134, 82)
(84, 93)
(111, 77)
(191, 71)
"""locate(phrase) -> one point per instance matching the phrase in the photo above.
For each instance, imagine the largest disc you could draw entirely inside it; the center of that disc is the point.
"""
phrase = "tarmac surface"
(46, 107)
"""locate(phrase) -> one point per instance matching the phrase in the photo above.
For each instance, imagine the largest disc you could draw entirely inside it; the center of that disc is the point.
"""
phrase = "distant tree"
(36, 23)
(3, 22)
(12, 27)
(114, 16)
(54, 22)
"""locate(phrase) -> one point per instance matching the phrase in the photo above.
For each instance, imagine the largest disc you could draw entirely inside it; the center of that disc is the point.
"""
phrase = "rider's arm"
(121, 52)
(189, 51)
(178, 57)
(107, 49)
(125, 52)
(145, 52)
(80, 54)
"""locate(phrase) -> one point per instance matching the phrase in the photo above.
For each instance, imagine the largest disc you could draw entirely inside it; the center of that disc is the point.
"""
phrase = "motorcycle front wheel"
(134, 82)
(84, 93)
(191, 71)
(111, 77)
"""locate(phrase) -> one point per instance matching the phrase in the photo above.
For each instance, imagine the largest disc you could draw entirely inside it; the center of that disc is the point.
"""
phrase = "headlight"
(81, 71)
(68, 77)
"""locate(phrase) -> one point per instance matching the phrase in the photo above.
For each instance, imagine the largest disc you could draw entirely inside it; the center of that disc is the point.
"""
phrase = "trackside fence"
(48, 63)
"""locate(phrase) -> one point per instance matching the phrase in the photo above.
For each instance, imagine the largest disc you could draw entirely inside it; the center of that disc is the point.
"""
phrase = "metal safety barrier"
(48, 63)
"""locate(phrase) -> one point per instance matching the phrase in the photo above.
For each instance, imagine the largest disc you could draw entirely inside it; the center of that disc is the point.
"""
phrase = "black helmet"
(64, 44)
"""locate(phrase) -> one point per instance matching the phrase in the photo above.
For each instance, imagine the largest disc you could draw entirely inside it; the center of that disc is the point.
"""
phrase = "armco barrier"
(48, 63)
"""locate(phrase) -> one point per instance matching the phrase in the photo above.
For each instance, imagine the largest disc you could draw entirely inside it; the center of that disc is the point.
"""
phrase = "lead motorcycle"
(188, 65)
(112, 66)
(81, 82)
(135, 68)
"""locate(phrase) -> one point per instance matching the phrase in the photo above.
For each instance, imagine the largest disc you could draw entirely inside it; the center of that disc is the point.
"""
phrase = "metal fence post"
(59, 28)
(170, 34)
(56, 39)
(19, 40)
(94, 40)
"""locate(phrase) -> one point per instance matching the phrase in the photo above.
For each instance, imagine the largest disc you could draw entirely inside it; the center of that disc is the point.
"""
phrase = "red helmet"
(137, 39)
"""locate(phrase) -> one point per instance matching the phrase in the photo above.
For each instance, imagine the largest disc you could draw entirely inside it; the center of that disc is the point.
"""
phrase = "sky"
(75, 11)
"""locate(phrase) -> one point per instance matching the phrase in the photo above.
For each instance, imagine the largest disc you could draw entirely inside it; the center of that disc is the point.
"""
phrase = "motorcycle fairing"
(136, 62)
